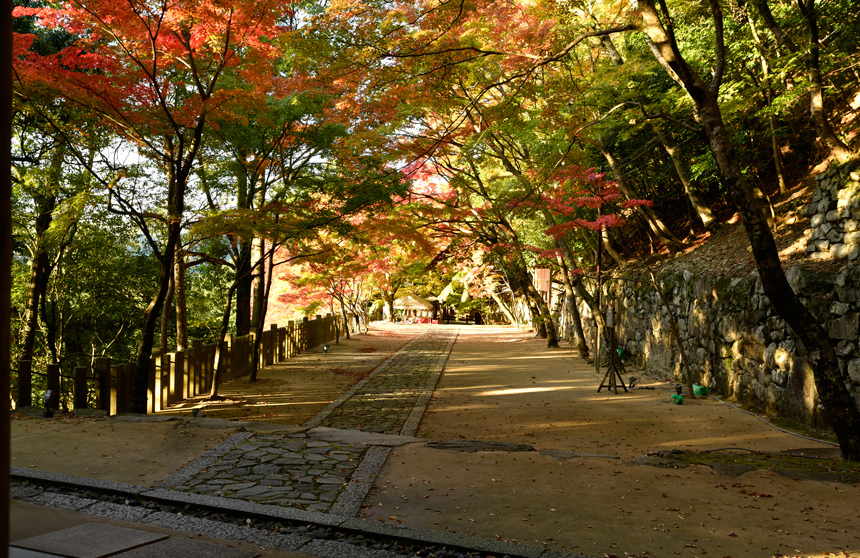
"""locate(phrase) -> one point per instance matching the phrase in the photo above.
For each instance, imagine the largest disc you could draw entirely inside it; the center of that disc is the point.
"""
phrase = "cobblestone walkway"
(319, 469)
(388, 399)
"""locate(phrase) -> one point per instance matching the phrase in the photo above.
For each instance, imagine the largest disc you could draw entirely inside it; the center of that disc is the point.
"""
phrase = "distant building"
(411, 307)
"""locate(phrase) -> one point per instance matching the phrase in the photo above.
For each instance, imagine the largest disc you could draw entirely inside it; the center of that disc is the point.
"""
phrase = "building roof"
(411, 301)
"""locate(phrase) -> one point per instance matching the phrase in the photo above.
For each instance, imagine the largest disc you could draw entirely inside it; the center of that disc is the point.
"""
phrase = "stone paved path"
(319, 469)
(386, 401)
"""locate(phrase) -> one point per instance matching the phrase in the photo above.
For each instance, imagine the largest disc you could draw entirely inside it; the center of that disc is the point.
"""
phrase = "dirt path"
(504, 386)
(293, 391)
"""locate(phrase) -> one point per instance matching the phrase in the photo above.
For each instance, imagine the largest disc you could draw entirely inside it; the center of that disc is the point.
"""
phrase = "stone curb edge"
(276, 513)
(186, 473)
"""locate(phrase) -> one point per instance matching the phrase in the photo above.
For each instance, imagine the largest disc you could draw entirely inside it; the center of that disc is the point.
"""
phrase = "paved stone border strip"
(188, 472)
(317, 419)
(410, 427)
(349, 502)
(237, 508)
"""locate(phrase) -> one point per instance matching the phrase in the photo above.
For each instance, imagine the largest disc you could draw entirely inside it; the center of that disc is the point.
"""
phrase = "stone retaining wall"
(735, 342)
(834, 214)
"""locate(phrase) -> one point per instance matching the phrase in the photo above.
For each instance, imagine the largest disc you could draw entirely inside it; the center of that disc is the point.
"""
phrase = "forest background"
(179, 166)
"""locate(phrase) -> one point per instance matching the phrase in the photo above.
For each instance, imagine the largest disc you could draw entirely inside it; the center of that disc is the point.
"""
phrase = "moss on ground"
(795, 465)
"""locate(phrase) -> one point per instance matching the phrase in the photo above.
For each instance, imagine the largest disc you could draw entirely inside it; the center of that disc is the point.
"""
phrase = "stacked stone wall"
(834, 214)
(735, 342)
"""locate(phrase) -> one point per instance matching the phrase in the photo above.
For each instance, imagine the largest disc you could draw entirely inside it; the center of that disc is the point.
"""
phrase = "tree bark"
(40, 270)
(179, 164)
(545, 321)
(219, 343)
(817, 111)
(767, 91)
(244, 200)
(577, 334)
(181, 303)
(502, 305)
(259, 275)
(609, 248)
(838, 403)
(772, 25)
(243, 290)
(658, 228)
(261, 305)
(345, 318)
(151, 317)
(165, 315)
(40, 267)
(682, 169)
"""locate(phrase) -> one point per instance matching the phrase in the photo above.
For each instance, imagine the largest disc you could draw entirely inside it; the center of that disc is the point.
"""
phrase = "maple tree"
(466, 64)
(267, 132)
(158, 73)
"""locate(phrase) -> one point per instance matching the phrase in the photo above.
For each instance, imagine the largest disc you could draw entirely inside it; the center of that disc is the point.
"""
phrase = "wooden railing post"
(208, 366)
(124, 391)
(196, 361)
(158, 388)
(284, 340)
(167, 384)
(181, 387)
(115, 388)
(54, 386)
(81, 391)
(227, 352)
(25, 383)
(101, 369)
(151, 392)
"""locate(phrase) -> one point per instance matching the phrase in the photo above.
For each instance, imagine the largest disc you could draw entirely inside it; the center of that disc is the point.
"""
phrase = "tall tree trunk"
(578, 335)
(772, 25)
(658, 228)
(165, 315)
(767, 91)
(508, 312)
(817, 112)
(829, 380)
(243, 290)
(609, 248)
(178, 171)
(181, 302)
(388, 299)
(259, 286)
(345, 318)
(40, 267)
(682, 169)
(582, 292)
(545, 320)
(40, 270)
(244, 200)
(151, 318)
(219, 343)
(261, 302)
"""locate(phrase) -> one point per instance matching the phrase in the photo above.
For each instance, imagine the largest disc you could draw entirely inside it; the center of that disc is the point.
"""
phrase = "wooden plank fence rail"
(181, 374)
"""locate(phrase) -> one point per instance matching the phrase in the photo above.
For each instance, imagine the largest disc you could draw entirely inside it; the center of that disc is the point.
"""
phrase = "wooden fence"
(180, 375)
